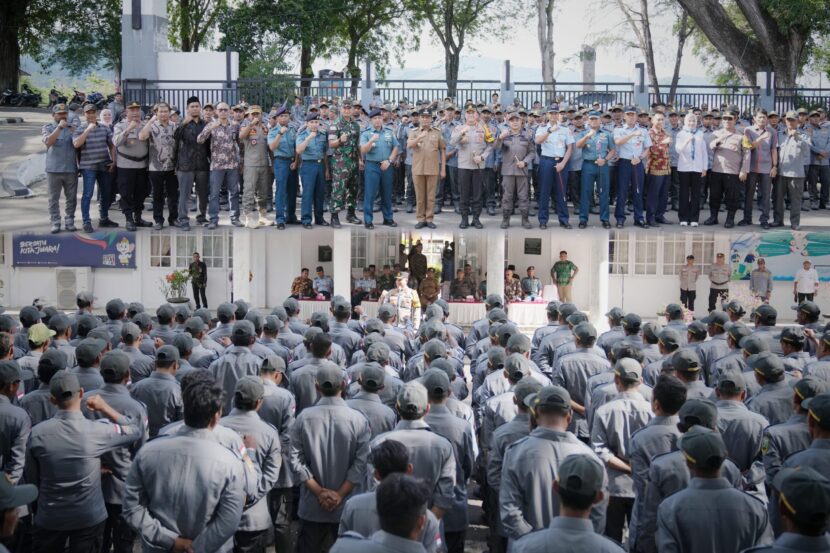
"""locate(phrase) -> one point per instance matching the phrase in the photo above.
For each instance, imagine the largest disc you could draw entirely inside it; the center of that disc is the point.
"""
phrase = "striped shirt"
(96, 149)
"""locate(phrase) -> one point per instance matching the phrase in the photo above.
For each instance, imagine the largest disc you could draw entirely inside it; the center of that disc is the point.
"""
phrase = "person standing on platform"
(658, 171)
(343, 141)
(692, 165)
(473, 147)
(198, 279)
(730, 166)
(253, 135)
(719, 275)
(805, 284)
(689, 273)
(192, 164)
(131, 155)
(379, 147)
(282, 140)
(563, 274)
(429, 158)
(633, 143)
(517, 154)
(160, 131)
(556, 148)
(62, 168)
(760, 281)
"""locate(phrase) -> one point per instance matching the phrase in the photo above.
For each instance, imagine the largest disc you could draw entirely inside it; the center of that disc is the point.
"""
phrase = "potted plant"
(174, 286)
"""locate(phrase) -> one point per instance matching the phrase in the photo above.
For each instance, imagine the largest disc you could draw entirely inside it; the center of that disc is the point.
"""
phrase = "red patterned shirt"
(658, 153)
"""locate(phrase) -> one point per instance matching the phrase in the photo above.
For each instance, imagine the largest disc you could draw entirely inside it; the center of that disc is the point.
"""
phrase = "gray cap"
(444, 365)
(581, 474)
(576, 318)
(29, 315)
(506, 331)
(632, 321)
(167, 354)
(698, 330)
(115, 364)
(698, 412)
(754, 344)
(374, 326)
(413, 399)
(686, 360)
(55, 359)
(204, 314)
(716, 318)
(243, 329)
(550, 396)
(818, 409)
(738, 331)
(651, 331)
(63, 385)
(272, 324)
(85, 297)
(567, 309)
(731, 381)
(9, 372)
(134, 308)
(436, 382)
(629, 370)
(585, 332)
(518, 343)
(115, 308)
(526, 387)
(497, 314)
(142, 320)
(494, 300)
(183, 342)
(767, 364)
(517, 366)
(165, 311)
(59, 323)
(703, 447)
(669, 338)
(273, 362)
(329, 377)
(225, 312)
(194, 325)
(734, 307)
(673, 310)
(496, 356)
(291, 304)
(805, 493)
(101, 333)
(766, 313)
(435, 349)
(341, 307)
(379, 352)
(372, 377)
(88, 351)
(615, 314)
(249, 389)
(805, 387)
(386, 311)
(793, 335)
(130, 332)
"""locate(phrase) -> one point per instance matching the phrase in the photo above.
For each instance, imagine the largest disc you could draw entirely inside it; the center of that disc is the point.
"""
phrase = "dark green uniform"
(344, 164)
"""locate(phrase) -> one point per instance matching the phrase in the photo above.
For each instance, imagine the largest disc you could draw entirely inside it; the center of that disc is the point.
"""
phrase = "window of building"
(645, 255)
(702, 246)
(386, 248)
(213, 248)
(360, 249)
(186, 244)
(160, 249)
(618, 253)
(674, 253)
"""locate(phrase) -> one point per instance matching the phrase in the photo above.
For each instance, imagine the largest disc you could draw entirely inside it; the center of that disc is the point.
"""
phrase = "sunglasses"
(222, 109)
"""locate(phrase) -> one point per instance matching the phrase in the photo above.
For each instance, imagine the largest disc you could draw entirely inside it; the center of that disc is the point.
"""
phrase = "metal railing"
(710, 97)
(414, 90)
(793, 98)
(546, 93)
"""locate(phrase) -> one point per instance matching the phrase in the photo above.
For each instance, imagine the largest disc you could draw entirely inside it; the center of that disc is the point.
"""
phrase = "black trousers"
(689, 210)
(687, 298)
(619, 511)
(132, 187)
(280, 505)
(470, 183)
(165, 185)
(250, 542)
(575, 189)
(117, 533)
(82, 540)
(490, 186)
(714, 294)
(455, 541)
(804, 297)
(724, 185)
(316, 537)
(199, 294)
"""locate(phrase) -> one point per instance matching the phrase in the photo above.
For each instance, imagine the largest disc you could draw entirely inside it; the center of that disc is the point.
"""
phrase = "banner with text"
(105, 250)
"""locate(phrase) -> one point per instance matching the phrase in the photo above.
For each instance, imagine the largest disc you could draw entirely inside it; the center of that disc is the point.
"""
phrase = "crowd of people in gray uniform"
(215, 431)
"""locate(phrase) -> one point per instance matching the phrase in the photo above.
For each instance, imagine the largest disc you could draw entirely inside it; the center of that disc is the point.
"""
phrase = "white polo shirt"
(806, 281)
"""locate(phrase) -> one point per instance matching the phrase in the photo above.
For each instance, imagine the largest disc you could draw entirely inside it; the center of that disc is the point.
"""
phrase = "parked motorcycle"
(79, 98)
(28, 98)
(9, 97)
(55, 97)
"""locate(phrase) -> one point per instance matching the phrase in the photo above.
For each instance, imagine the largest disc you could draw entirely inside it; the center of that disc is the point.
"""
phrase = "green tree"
(192, 22)
(754, 35)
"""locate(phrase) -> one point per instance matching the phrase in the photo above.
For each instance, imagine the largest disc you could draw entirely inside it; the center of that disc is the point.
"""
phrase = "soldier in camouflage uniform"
(344, 140)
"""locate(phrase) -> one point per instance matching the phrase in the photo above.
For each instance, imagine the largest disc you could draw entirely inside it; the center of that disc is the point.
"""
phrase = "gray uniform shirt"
(710, 351)
(303, 383)
(141, 365)
(206, 506)
(229, 369)
(773, 401)
(380, 417)
(611, 431)
(782, 440)
(330, 443)
(347, 338)
(566, 535)
(162, 394)
(742, 431)
(529, 469)
(15, 427)
(572, 374)
(37, 404)
(733, 520)
(278, 409)
(63, 460)
(379, 542)
(361, 515)
(89, 378)
(432, 458)
(269, 458)
(119, 460)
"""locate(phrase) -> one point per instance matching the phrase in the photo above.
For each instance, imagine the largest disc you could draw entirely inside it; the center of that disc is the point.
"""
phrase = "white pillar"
(600, 280)
(249, 274)
(495, 263)
(341, 262)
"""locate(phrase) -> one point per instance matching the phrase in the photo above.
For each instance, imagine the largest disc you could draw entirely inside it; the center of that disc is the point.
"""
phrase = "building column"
(495, 263)
(600, 281)
(341, 262)
(249, 274)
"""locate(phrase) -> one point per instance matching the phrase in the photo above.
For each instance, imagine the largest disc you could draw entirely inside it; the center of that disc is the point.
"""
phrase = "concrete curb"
(10, 120)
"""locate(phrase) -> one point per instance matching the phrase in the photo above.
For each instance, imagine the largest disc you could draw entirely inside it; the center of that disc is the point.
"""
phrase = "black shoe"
(158, 226)
(322, 223)
(435, 211)
(335, 221)
(464, 223)
(565, 225)
(491, 211)
(641, 224)
(184, 227)
(88, 228)
(390, 223)
(130, 225)
(662, 221)
(431, 225)
(543, 226)
(653, 223)
(477, 224)
(280, 226)
(142, 223)
(307, 225)
(744, 223)
(606, 225)
(420, 224)
(369, 226)
(765, 226)
(776, 224)
(795, 227)
(352, 218)
(583, 224)
(711, 221)
(201, 220)
(108, 223)
(620, 225)
(409, 208)
(729, 224)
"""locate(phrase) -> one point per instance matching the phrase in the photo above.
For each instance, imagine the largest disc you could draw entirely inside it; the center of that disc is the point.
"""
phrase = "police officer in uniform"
(429, 160)
(61, 168)
(406, 302)
(473, 148)
(556, 144)
(517, 152)
(132, 157)
(344, 139)
(719, 275)
(379, 147)
(253, 135)
(282, 141)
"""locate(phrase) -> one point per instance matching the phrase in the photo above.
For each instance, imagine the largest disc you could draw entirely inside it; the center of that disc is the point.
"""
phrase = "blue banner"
(104, 249)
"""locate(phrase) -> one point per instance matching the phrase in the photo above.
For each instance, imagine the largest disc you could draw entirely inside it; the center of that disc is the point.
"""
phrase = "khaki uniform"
(407, 303)
(427, 154)
(516, 147)
(718, 283)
